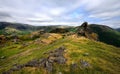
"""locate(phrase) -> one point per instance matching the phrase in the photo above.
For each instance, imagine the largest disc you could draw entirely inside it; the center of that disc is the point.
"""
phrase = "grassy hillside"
(99, 58)
(107, 34)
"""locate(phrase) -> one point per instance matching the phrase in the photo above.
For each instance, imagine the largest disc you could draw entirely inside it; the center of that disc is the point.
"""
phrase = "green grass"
(103, 58)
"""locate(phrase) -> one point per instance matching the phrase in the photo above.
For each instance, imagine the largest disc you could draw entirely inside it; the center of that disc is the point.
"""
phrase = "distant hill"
(118, 29)
(26, 27)
(17, 26)
(106, 34)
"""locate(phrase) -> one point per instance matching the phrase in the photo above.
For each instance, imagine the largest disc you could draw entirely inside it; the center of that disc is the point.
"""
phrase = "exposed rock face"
(84, 30)
(55, 56)
(85, 25)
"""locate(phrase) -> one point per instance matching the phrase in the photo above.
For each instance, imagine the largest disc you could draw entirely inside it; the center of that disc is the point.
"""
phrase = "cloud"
(70, 12)
(4, 15)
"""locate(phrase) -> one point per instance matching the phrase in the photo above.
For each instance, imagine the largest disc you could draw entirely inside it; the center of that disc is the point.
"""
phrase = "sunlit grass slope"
(103, 58)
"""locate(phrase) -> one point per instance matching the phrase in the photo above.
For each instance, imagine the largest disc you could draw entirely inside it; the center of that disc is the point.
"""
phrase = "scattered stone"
(84, 64)
(42, 62)
(60, 73)
(16, 67)
(86, 54)
(2, 57)
(7, 72)
(33, 63)
(49, 66)
(74, 65)
(55, 56)
(51, 59)
(60, 60)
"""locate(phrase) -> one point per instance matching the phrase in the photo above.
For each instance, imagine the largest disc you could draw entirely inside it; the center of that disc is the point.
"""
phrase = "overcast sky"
(61, 12)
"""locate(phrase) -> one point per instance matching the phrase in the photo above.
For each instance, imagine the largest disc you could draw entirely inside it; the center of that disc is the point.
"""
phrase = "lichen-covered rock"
(84, 64)
(60, 60)
(49, 66)
(33, 63)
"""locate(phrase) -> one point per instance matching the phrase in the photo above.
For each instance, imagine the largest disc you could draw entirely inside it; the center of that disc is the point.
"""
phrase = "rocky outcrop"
(55, 56)
(85, 31)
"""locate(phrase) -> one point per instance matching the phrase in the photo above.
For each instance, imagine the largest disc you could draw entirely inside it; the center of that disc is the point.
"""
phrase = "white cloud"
(106, 15)
(61, 11)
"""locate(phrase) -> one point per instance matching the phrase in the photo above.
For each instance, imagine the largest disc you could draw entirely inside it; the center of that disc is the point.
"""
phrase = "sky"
(61, 12)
